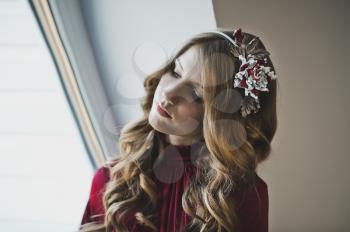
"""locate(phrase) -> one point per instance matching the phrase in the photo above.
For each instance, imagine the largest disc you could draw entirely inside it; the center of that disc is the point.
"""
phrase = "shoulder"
(257, 189)
(260, 187)
(252, 204)
(102, 176)
(94, 210)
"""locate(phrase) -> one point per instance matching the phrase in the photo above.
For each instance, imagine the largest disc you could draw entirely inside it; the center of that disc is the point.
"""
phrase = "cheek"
(157, 92)
(192, 110)
(160, 86)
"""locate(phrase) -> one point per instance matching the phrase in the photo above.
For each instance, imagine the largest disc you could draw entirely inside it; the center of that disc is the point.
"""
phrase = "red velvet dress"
(252, 206)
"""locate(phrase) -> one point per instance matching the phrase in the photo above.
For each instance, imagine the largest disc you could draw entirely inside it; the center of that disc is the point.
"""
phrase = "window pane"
(45, 173)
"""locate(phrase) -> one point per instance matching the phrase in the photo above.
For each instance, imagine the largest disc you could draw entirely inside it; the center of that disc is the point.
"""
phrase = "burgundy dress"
(252, 206)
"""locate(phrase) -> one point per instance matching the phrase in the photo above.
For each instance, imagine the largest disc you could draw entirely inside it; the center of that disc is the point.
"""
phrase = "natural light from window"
(45, 173)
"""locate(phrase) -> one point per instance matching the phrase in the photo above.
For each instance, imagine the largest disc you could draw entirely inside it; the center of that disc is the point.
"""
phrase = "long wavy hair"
(235, 146)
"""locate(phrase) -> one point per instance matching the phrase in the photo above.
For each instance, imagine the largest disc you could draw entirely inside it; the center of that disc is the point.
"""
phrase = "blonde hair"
(234, 145)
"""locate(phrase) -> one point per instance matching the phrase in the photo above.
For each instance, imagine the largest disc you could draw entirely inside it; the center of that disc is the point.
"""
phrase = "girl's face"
(180, 92)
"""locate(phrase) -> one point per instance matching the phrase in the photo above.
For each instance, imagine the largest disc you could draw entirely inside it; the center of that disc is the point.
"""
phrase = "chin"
(156, 122)
(166, 126)
(161, 125)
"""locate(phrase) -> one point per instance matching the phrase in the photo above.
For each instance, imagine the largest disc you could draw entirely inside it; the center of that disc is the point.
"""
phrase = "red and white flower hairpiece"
(254, 74)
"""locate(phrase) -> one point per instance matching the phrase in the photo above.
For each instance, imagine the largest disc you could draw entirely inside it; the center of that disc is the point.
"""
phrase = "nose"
(167, 98)
(173, 94)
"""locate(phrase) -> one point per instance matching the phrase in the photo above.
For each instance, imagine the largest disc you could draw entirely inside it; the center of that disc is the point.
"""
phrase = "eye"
(197, 97)
(195, 94)
(175, 74)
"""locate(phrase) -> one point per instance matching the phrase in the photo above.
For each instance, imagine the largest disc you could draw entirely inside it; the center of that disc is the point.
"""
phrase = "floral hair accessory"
(254, 74)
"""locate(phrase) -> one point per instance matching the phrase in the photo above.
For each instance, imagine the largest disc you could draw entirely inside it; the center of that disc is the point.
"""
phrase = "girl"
(189, 164)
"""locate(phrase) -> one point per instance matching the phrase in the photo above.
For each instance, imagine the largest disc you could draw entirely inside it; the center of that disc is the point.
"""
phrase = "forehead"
(189, 58)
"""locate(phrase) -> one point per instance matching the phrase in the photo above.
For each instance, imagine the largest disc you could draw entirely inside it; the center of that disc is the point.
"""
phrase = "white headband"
(224, 35)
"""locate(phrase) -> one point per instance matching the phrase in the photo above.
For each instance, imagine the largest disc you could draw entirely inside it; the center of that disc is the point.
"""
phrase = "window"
(45, 172)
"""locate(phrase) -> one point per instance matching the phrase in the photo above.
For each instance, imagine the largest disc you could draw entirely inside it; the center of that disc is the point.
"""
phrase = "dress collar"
(178, 152)
(181, 152)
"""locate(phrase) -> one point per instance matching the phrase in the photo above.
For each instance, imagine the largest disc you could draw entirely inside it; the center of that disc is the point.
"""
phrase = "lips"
(162, 111)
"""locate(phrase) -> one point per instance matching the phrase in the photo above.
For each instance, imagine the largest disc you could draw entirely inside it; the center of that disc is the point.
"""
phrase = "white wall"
(133, 38)
(308, 172)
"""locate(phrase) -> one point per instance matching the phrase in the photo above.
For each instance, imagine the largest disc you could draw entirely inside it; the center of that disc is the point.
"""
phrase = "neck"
(182, 141)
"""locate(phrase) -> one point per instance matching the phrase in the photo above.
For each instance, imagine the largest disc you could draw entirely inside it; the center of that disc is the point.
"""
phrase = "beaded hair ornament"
(254, 74)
